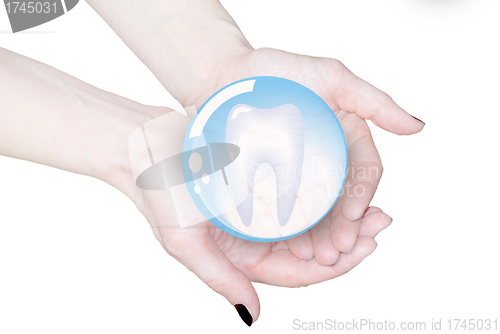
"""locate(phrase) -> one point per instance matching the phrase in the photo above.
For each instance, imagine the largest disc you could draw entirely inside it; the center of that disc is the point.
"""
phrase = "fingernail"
(244, 314)
(312, 257)
(338, 259)
(349, 252)
(418, 119)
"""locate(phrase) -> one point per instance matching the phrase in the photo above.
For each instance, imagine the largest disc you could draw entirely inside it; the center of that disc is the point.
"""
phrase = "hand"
(353, 101)
(227, 264)
(89, 131)
(344, 237)
(195, 48)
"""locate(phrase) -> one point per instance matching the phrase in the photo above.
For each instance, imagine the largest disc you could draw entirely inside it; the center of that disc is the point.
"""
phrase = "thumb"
(353, 94)
(205, 259)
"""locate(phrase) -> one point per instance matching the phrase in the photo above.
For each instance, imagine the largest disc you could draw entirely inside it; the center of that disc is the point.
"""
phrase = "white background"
(77, 257)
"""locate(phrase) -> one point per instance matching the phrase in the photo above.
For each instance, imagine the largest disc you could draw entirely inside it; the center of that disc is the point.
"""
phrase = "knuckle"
(337, 64)
(216, 285)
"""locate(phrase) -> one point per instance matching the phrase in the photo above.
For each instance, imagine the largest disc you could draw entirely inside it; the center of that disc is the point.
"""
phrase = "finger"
(356, 95)
(371, 209)
(362, 179)
(343, 232)
(282, 268)
(198, 251)
(374, 221)
(301, 246)
(324, 251)
(364, 170)
(363, 248)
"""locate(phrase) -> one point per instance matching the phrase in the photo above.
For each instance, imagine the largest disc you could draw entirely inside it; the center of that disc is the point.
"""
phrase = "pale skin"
(194, 48)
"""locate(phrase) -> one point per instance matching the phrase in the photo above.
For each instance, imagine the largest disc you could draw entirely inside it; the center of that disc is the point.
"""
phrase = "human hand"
(339, 238)
(353, 101)
(322, 241)
(89, 129)
(195, 48)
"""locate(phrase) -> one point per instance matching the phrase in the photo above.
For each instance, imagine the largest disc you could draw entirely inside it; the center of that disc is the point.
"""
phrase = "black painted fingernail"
(418, 119)
(244, 314)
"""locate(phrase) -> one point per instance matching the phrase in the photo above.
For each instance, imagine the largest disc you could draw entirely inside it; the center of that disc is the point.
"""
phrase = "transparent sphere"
(264, 159)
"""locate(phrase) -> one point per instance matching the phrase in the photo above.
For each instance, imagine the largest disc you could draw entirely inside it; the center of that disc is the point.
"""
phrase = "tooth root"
(240, 181)
(245, 209)
(285, 207)
(287, 187)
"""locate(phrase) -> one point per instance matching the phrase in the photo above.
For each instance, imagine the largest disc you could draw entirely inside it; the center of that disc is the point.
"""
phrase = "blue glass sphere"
(264, 159)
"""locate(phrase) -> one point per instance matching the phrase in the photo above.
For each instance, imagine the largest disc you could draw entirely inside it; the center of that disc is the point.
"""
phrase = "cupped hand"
(336, 244)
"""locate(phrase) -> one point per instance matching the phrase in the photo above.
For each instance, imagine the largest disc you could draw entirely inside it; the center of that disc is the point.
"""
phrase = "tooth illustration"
(274, 136)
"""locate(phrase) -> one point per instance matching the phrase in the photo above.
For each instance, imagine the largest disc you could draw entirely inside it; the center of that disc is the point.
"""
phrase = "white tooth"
(274, 136)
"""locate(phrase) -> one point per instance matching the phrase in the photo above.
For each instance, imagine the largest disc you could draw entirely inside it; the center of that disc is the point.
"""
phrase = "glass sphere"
(264, 159)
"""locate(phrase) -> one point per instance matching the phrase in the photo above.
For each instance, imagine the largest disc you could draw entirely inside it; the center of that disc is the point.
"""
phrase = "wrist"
(108, 153)
(193, 64)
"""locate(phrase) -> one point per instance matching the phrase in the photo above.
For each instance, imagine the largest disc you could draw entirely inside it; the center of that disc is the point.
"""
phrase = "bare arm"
(52, 118)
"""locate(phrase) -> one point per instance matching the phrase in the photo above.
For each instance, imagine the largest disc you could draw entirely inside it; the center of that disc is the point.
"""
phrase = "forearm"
(51, 118)
(177, 39)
